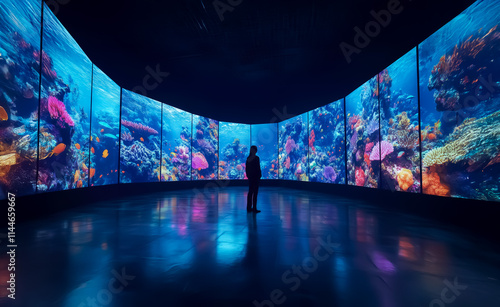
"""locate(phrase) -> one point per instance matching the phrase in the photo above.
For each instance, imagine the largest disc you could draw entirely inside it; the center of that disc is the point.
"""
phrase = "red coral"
(312, 138)
(287, 163)
(360, 177)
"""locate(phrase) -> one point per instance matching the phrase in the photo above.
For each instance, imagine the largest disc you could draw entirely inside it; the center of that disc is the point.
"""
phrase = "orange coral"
(405, 179)
(431, 184)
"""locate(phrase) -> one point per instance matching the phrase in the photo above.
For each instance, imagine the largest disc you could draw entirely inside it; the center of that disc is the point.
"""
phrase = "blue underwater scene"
(105, 127)
(64, 110)
(140, 151)
(19, 95)
(400, 145)
(176, 144)
(265, 137)
(380, 135)
(234, 148)
(293, 141)
(205, 148)
(460, 105)
(362, 135)
(326, 143)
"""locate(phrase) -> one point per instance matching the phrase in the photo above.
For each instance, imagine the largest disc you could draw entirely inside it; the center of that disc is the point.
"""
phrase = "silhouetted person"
(253, 174)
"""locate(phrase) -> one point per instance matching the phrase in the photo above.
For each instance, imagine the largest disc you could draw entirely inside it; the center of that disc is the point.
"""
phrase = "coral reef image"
(234, 148)
(398, 94)
(64, 134)
(105, 130)
(205, 147)
(140, 139)
(293, 143)
(265, 137)
(20, 24)
(459, 100)
(326, 143)
(176, 145)
(364, 151)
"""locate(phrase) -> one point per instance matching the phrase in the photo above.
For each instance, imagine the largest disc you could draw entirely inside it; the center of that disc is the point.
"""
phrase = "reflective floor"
(304, 249)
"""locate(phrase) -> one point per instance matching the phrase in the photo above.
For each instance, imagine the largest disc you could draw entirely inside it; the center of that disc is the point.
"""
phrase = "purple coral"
(354, 140)
(329, 173)
(290, 145)
(127, 137)
(385, 148)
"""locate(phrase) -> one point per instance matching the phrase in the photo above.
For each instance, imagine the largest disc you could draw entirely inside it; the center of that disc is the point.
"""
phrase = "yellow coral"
(403, 121)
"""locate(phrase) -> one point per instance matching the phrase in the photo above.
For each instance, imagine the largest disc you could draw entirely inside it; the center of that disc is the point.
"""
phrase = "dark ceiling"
(265, 61)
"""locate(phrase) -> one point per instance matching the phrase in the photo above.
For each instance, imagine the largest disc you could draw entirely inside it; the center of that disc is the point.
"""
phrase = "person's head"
(253, 150)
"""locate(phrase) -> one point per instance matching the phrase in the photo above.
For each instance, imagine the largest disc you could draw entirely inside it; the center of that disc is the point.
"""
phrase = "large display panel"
(234, 147)
(63, 152)
(105, 130)
(293, 143)
(205, 148)
(176, 144)
(265, 137)
(398, 95)
(20, 24)
(140, 142)
(364, 151)
(460, 105)
(327, 143)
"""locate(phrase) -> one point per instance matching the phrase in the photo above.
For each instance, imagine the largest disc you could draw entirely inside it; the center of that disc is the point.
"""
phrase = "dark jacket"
(253, 168)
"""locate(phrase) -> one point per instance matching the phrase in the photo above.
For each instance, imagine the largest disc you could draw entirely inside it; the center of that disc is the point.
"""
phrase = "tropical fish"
(56, 151)
(100, 176)
(104, 124)
(400, 154)
(102, 130)
(97, 139)
(431, 136)
(77, 175)
(105, 153)
(92, 150)
(77, 146)
(84, 167)
(142, 140)
(3, 114)
(138, 164)
(123, 172)
(92, 172)
(91, 138)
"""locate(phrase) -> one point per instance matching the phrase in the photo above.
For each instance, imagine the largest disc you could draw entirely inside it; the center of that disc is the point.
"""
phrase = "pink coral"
(290, 145)
(369, 147)
(385, 147)
(57, 110)
(287, 163)
(360, 177)
(138, 126)
(199, 161)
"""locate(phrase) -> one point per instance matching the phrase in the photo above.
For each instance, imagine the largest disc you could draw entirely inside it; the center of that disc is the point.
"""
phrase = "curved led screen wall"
(64, 134)
(105, 129)
(140, 154)
(234, 148)
(265, 137)
(20, 57)
(439, 136)
(460, 105)
(398, 90)
(176, 144)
